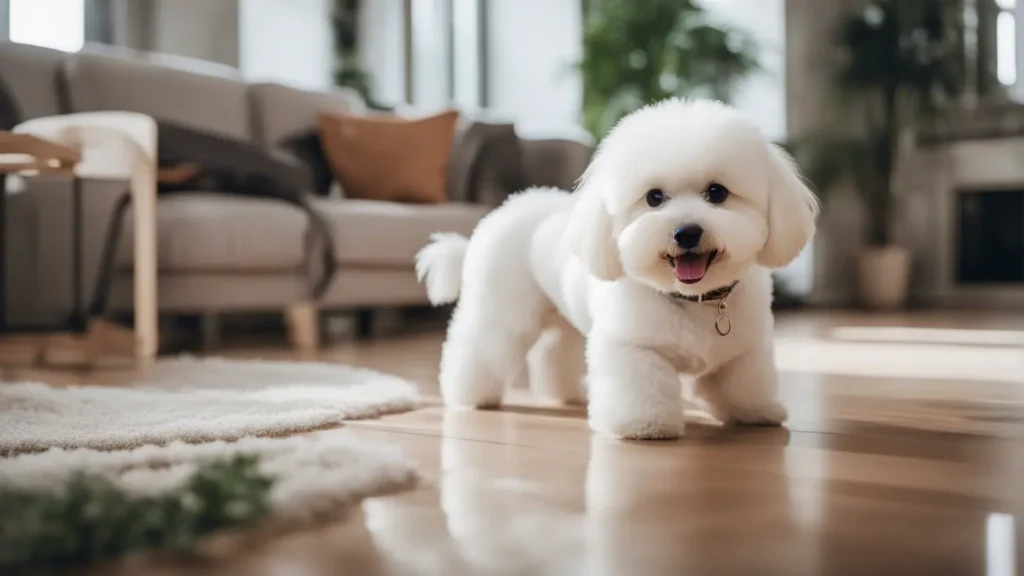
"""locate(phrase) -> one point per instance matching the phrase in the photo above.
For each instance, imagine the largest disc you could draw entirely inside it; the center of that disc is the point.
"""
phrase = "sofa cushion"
(185, 63)
(388, 234)
(390, 158)
(280, 112)
(308, 149)
(225, 164)
(487, 165)
(478, 134)
(554, 162)
(103, 82)
(208, 232)
(32, 74)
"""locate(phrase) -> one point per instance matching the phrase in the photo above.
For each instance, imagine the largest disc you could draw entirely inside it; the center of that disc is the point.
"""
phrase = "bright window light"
(1000, 545)
(58, 24)
(1006, 4)
(1006, 48)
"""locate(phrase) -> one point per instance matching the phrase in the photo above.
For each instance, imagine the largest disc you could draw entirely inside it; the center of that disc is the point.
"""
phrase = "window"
(56, 24)
(762, 97)
(466, 54)
(1006, 42)
(286, 41)
(431, 54)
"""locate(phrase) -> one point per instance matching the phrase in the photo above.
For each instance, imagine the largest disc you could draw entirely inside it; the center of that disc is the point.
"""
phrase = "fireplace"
(990, 237)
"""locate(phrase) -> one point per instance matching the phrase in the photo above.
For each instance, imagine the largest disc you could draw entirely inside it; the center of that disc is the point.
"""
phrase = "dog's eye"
(716, 193)
(655, 198)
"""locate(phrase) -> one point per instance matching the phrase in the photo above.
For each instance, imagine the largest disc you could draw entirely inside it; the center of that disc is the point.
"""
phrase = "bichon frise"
(656, 267)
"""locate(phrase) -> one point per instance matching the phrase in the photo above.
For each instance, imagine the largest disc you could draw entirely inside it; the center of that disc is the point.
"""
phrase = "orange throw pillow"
(389, 158)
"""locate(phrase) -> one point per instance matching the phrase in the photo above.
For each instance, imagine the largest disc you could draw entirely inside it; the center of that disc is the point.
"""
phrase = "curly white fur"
(439, 265)
(556, 277)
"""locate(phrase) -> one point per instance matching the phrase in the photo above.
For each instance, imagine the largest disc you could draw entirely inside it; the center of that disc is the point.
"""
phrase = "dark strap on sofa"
(115, 231)
(10, 112)
(230, 166)
(221, 164)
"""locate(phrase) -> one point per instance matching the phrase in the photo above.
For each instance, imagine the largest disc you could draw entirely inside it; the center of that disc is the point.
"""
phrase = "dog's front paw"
(465, 402)
(640, 429)
(769, 414)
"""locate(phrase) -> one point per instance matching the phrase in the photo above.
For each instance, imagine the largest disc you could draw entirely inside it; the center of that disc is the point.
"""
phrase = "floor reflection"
(916, 335)
(1000, 545)
(903, 455)
(531, 527)
(900, 360)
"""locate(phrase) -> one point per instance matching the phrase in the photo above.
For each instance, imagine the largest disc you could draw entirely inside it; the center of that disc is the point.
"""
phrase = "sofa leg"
(302, 320)
(364, 323)
(380, 322)
(209, 331)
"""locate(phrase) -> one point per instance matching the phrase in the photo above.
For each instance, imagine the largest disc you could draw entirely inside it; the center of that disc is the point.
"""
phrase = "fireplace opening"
(990, 247)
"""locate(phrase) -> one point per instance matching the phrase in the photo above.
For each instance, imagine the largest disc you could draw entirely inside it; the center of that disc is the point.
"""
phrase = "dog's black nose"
(688, 236)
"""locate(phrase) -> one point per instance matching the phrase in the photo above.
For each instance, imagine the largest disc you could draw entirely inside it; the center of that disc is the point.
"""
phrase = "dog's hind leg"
(502, 308)
(557, 363)
(492, 329)
(482, 358)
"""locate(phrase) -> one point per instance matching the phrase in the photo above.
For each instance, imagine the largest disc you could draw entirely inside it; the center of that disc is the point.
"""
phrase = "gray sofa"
(220, 253)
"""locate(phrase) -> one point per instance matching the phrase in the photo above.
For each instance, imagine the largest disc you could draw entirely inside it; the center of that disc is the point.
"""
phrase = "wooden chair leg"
(302, 321)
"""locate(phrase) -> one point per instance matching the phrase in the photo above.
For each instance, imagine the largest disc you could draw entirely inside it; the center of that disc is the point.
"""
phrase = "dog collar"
(716, 294)
(722, 323)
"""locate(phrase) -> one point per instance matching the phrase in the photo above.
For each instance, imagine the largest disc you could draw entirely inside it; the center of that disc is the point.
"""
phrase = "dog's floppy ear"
(792, 210)
(589, 233)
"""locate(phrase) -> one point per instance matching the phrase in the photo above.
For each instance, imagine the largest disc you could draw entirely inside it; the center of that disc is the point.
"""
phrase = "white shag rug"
(194, 400)
(315, 475)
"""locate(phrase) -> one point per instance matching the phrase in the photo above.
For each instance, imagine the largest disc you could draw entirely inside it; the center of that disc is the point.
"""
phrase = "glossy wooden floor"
(904, 455)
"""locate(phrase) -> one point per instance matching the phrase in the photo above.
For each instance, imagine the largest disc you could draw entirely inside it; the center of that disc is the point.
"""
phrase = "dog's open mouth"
(692, 266)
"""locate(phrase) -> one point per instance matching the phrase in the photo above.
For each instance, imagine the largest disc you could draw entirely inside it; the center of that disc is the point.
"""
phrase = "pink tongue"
(691, 267)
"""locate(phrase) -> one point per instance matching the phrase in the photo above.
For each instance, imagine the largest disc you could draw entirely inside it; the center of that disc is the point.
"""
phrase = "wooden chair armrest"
(43, 155)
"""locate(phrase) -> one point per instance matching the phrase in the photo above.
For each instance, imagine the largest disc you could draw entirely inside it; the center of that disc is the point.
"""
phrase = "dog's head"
(685, 196)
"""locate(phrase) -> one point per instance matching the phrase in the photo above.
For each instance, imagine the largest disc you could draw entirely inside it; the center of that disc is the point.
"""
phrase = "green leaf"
(91, 519)
(639, 52)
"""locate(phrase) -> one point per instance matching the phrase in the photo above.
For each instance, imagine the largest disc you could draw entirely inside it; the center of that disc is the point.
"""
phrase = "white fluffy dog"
(657, 267)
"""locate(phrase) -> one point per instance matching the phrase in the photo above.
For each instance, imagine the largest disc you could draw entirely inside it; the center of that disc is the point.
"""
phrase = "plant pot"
(883, 277)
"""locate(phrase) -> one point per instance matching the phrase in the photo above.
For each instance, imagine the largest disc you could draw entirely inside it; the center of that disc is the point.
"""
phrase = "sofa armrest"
(555, 162)
(486, 164)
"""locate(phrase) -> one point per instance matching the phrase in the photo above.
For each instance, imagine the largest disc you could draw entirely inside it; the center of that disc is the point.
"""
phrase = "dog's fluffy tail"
(439, 266)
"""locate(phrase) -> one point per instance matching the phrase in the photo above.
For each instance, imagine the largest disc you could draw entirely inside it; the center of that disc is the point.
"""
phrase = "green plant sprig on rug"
(640, 51)
(92, 519)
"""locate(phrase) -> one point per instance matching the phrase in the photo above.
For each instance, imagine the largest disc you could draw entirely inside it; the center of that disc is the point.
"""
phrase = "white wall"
(204, 29)
(763, 96)
(431, 76)
(1018, 90)
(286, 41)
(532, 47)
(466, 58)
(56, 24)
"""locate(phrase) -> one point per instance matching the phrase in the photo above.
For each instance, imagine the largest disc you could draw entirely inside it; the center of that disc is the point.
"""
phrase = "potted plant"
(640, 51)
(902, 61)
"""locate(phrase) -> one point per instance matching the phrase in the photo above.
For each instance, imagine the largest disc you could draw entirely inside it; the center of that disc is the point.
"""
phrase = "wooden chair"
(113, 145)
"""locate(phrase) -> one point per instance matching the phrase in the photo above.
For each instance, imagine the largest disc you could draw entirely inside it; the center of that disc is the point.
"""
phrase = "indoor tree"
(638, 52)
(901, 61)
